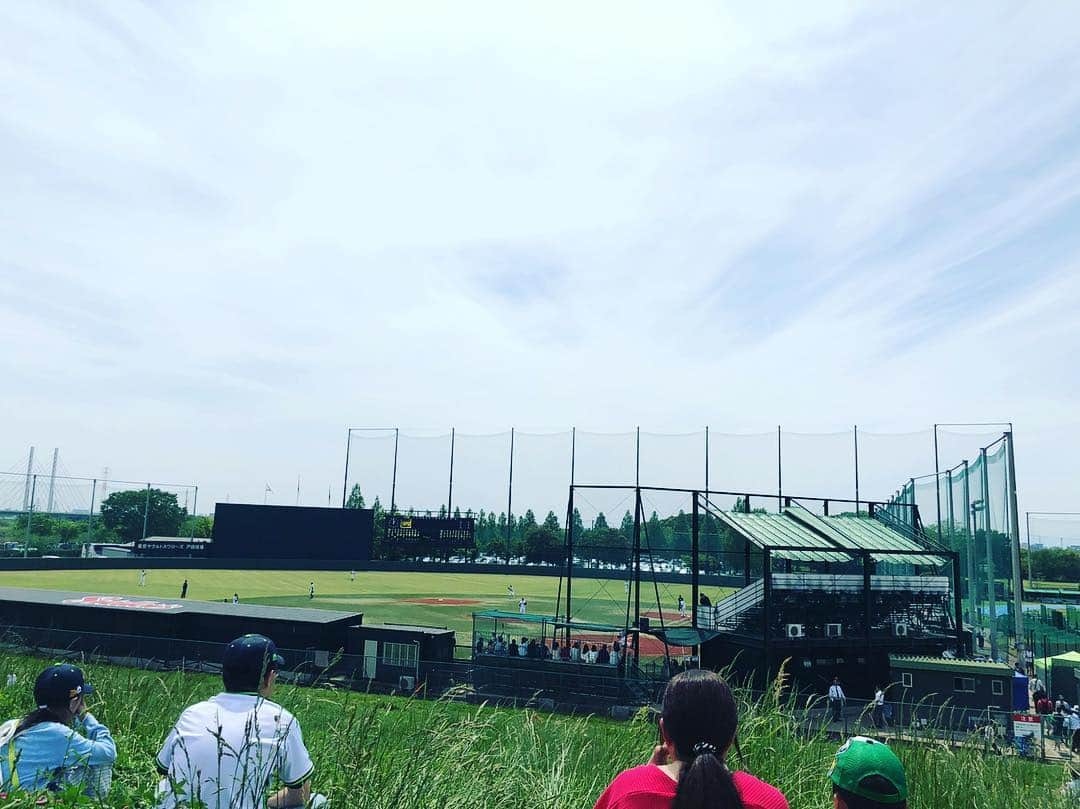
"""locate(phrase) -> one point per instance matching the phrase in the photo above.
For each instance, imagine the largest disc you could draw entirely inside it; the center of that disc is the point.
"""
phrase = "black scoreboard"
(437, 533)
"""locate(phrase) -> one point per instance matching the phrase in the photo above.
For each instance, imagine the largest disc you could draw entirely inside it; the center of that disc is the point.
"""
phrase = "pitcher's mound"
(446, 602)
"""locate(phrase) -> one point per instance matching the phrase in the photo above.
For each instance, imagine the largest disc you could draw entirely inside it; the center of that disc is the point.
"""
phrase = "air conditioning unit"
(406, 683)
(322, 658)
(834, 630)
(796, 631)
(900, 630)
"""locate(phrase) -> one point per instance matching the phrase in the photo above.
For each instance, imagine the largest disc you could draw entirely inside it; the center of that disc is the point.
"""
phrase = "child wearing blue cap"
(60, 742)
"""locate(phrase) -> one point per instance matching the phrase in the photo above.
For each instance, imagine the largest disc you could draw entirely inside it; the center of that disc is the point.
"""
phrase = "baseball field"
(430, 599)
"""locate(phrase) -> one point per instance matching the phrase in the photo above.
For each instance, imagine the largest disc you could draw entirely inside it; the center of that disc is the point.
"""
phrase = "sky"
(232, 230)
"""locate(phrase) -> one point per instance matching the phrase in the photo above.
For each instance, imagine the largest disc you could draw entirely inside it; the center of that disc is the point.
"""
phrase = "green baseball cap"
(861, 757)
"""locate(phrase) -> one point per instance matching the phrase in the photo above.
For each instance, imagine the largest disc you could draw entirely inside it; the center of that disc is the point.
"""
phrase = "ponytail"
(700, 719)
(706, 783)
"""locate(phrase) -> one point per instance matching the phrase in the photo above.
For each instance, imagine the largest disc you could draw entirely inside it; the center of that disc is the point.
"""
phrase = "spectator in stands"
(555, 653)
(500, 646)
(689, 769)
(866, 774)
(533, 650)
(60, 742)
(523, 647)
(614, 659)
(224, 752)
(575, 652)
(479, 646)
(564, 652)
(1038, 690)
(1061, 704)
(703, 600)
(593, 654)
(512, 648)
(604, 656)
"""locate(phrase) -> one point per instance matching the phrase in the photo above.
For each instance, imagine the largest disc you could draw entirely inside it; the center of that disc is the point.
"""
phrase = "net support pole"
(345, 481)
(510, 499)
(779, 471)
(393, 475)
(766, 612)
(695, 540)
(973, 581)
(450, 493)
(569, 557)
(937, 483)
(1031, 559)
(706, 459)
(868, 604)
(991, 595)
(194, 510)
(856, 434)
(52, 478)
(1014, 544)
(958, 603)
(637, 573)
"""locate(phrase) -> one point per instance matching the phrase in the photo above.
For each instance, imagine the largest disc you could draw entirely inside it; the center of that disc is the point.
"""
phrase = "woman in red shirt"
(688, 771)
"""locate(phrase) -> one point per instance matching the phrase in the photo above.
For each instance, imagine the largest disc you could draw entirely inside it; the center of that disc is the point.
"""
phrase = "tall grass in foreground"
(374, 752)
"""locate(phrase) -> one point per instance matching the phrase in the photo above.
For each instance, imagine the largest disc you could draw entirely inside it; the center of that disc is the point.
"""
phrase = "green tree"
(199, 526)
(124, 512)
(551, 522)
(541, 544)
(356, 499)
(600, 522)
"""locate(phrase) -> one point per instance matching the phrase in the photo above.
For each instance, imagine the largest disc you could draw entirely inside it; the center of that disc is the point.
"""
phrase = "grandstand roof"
(778, 530)
(802, 536)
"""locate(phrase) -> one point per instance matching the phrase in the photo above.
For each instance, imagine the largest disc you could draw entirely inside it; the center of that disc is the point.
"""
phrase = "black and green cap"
(858, 759)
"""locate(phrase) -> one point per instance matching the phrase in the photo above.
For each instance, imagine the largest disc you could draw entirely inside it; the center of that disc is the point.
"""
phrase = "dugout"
(957, 694)
(388, 652)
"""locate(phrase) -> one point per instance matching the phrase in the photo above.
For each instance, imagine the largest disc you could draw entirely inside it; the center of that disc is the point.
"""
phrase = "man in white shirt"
(837, 699)
(222, 753)
(879, 707)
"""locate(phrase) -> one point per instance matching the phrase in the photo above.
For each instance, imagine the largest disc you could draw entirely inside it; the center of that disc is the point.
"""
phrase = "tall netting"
(371, 465)
(887, 460)
(745, 463)
(1050, 530)
(968, 508)
(821, 464)
(673, 460)
(541, 473)
(603, 543)
(481, 473)
(423, 471)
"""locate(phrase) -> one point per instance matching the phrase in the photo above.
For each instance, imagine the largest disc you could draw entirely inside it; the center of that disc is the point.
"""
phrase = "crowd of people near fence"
(241, 750)
(602, 654)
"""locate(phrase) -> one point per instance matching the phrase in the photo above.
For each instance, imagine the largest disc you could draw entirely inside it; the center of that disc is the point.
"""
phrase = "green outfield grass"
(382, 597)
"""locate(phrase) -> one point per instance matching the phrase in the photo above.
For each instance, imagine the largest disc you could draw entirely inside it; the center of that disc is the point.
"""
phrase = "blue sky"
(232, 229)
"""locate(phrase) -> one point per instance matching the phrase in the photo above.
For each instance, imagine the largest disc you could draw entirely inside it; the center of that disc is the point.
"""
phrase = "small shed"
(391, 651)
(951, 693)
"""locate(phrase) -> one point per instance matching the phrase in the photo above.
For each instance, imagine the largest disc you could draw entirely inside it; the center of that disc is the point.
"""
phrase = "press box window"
(399, 654)
(963, 685)
(997, 688)
(905, 679)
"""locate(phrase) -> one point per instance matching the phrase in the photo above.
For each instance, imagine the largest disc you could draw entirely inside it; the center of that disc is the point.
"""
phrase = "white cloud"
(232, 230)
